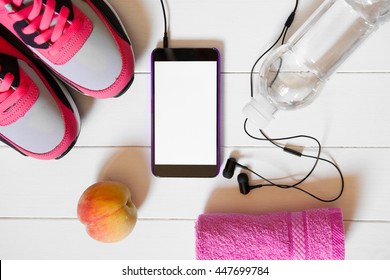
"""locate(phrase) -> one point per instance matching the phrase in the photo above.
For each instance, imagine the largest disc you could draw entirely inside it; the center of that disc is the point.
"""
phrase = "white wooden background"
(351, 117)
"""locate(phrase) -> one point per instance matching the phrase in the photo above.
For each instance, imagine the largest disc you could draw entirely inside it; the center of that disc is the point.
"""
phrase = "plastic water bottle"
(293, 74)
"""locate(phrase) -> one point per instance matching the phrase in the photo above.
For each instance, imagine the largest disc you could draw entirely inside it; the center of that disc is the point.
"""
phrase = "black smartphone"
(185, 112)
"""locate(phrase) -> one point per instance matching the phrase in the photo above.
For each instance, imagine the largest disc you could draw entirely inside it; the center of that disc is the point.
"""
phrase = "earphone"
(245, 188)
(242, 178)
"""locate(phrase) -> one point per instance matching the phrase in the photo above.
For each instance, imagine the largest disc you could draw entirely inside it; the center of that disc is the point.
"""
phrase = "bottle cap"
(259, 111)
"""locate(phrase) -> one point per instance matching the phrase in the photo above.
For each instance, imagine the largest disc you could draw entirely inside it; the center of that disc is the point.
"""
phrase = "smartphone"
(185, 112)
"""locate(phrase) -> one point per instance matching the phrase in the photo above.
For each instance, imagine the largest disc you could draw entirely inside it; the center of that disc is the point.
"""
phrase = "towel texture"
(316, 234)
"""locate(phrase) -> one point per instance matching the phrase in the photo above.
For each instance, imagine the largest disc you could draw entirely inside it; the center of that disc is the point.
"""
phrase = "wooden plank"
(242, 30)
(151, 240)
(353, 102)
(67, 239)
(52, 189)
(366, 241)
(349, 112)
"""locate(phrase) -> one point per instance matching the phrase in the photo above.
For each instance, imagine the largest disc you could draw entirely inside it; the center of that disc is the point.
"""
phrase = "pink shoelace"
(8, 95)
(5, 86)
(41, 18)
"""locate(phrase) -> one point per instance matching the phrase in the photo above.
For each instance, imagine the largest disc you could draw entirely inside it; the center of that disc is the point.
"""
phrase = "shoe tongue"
(9, 64)
(18, 98)
(59, 5)
(66, 3)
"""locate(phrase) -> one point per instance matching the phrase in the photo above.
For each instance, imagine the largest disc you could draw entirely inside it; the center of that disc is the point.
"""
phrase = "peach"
(107, 211)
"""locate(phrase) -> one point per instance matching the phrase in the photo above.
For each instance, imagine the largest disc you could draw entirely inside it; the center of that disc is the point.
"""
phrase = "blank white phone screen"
(185, 112)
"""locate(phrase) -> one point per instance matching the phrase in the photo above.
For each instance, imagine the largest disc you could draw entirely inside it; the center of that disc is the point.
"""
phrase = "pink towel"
(316, 234)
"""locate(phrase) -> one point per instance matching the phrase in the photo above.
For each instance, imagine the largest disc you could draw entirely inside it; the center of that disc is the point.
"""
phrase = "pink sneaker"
(82, 41)
(38, 117)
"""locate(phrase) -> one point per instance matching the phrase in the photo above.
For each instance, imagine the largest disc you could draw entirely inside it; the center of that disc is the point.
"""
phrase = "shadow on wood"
(228, 199)
(130, 167)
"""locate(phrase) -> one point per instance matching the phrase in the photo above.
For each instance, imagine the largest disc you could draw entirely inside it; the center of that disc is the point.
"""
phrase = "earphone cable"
(317, 158)
(165, 37)
(282, 36)
(272, 140)
(261, 56)
(295, 186)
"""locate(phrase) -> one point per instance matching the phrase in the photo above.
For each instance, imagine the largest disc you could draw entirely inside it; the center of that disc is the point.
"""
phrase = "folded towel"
(316, 234)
